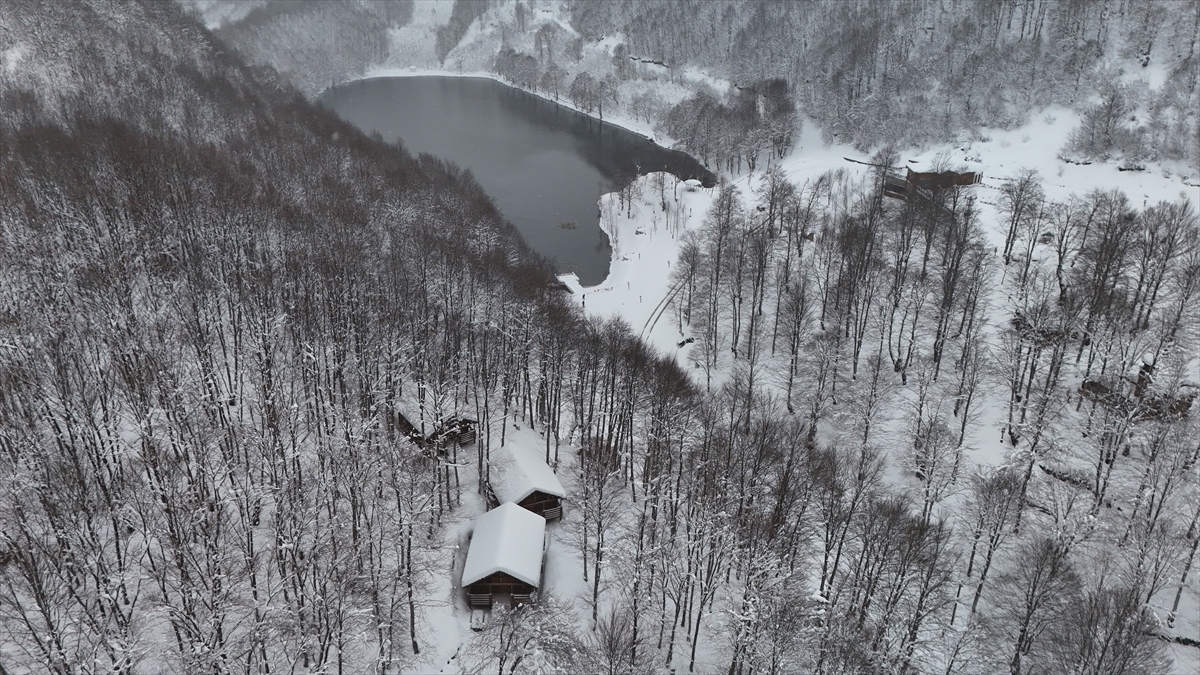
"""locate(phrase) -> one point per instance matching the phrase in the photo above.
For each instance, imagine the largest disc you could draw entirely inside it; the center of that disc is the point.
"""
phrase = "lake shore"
(610, 226)
(641, 128)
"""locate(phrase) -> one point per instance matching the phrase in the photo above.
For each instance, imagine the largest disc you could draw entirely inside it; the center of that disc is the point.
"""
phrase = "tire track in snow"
(660, 309)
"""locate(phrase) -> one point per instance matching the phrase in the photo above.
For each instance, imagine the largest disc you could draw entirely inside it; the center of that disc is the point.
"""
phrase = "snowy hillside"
(261, 375)
(659, 219)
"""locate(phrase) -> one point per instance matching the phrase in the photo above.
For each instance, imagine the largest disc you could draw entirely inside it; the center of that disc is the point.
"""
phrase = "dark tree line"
(206, 333)
(759, 118)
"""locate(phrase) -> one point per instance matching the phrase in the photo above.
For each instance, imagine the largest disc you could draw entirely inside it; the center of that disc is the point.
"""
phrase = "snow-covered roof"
(507, 539)
(526, 473)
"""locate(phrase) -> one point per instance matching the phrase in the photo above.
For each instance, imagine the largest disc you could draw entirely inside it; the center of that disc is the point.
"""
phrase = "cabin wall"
(546, 506)
(482, 592)
(902, 188)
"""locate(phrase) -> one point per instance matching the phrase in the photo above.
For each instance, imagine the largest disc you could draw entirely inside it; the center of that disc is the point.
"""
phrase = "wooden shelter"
(505, 556)
(943, 180)
(525, 479)
(460, 430)
(919, 183)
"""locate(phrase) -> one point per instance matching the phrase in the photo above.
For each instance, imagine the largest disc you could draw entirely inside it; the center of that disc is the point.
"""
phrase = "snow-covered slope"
(647, 235)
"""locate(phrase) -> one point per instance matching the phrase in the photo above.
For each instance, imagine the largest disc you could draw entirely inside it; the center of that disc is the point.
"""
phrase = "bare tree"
(992, 505)
(1034, 596)
(1020, 200)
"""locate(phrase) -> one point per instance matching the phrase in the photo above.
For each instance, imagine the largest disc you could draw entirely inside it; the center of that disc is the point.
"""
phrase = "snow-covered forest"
(947, 434)
(868, 73)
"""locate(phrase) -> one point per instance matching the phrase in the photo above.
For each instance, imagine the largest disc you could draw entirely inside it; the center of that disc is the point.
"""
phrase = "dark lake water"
(544, 165)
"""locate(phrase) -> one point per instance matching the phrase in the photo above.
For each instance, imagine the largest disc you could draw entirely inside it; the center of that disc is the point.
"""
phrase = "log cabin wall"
(482, 592)
(546, 506)
(943, 180)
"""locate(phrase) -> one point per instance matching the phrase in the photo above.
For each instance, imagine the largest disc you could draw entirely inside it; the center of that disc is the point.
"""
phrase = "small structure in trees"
(505, 556)
(526, 480)
(454, 429)
(1144, 403)
(923, 184)
(459, 430)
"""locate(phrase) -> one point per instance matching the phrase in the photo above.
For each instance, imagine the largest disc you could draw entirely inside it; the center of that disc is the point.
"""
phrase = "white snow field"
(646, 239)
(646, 234)
(449, 638)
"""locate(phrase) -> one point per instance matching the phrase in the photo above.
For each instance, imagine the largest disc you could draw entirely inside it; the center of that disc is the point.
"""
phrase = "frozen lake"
(544, 165)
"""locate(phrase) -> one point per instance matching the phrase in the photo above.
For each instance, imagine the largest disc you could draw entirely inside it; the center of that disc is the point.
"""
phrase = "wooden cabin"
(505, 557)
(922, 183)
(522, 477)
(943, 180)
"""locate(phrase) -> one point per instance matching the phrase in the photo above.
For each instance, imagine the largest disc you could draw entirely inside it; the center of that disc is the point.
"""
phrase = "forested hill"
(210, 293)
(313, 43)
(869, 73)
(915, 452)
(137, 98)
(921, 72)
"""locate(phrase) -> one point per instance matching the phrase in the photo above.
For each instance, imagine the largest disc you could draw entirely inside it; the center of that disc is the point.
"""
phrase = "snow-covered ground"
(448, 643)
(417, 39)
(646, 240)
(639, 270)
(647, 233)
(646, 236)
